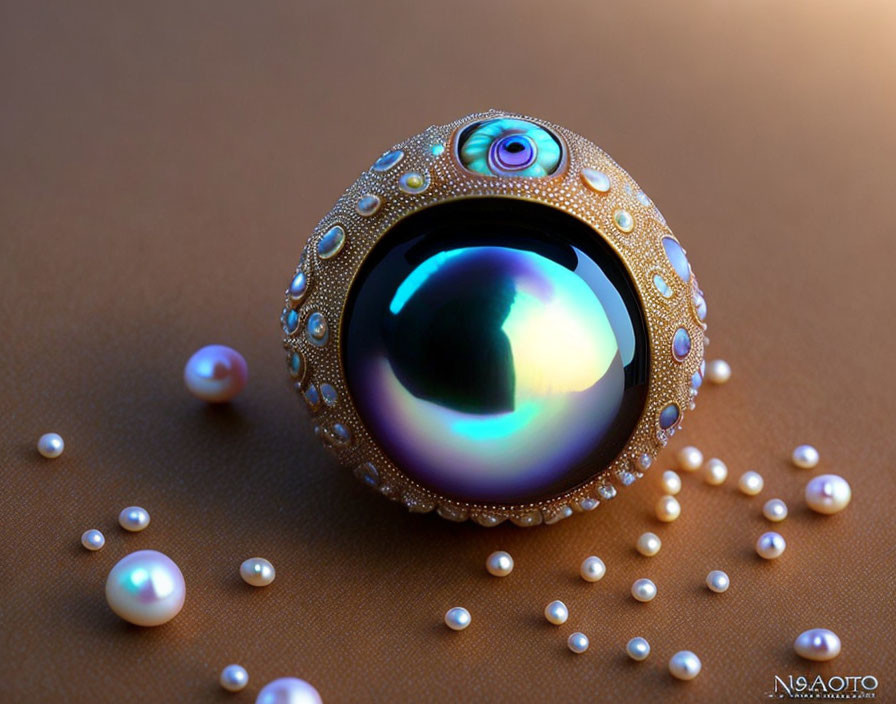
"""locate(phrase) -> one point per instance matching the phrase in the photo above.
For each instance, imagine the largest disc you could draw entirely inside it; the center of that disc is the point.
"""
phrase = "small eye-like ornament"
(509, 147)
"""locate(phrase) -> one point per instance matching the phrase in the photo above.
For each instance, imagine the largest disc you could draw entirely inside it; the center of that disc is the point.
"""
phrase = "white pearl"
(668, 509)
(817, 644)
(577, 642)
(685, 665)
(718, 371)
(457, 618)
(257, 571)
(689, 459)
(670, 482)
(556, 613)
(750, 483)
(775, 510)
(146, 588)
(643, 590)
(805, 457)
(638, 648)
(770, 545)
(718, 581)
(592, 569)
(234, 678)
(133, 518)
(828, 493)
(499, 563)
(216, 373)
(50, 445)
(649, 544)
(288, 690)
(715, 472)
(92, 539)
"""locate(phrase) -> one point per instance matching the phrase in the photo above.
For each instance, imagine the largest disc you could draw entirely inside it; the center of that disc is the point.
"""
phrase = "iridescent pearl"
(684, 665)
(577, 642)
(715, 472)
(133, 518)
(770, 545)
(670, 482)
(817, 644)
(92, 539)
(457, 618)
(643, 590)
(234, 678)
(146, 588)
(216, 373)
(668, 509)
(718, 371)
(649, 544)
(50, 445)
(690, 459)
(775, 510)
(288, 690)
(750, 483)
(828, 493)
(638, 648)
(805, 457)
(592, 569)
(499, 563)
(257, 571)
(718, 581)
(556, 613)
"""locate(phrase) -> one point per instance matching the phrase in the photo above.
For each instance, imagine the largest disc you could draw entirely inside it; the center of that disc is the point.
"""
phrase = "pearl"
(133, 518)
(775, 510)
(50, 445)
(499, 563)
(670, 482)
(668, 509)
(805, 457)
(643, 590)
(750, 483)
(592, 569)
(689, 458)
(577, 642)
(556, 613)
(684, 665)
(649, 544)
(288, 690)
(257, 571)
(715, 472)
(92, 539)
(828, 493)
(817, 644)
(718, 371)
(146, 588)
(457, 618)
(718, 581)
(216, 373)
(638, 648)
(234, 678)
(770, 545)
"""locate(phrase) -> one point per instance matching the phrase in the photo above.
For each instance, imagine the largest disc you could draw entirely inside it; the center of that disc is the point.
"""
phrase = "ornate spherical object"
(495, 322)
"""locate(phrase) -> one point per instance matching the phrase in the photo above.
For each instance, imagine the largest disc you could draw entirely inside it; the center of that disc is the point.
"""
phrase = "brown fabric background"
(160, 166)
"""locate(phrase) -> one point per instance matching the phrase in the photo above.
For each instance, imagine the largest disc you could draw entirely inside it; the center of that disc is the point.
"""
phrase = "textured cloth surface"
(160, 167)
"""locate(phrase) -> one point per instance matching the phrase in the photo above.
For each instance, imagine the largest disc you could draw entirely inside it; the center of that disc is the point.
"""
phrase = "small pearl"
(817, 644)
(257, 571)
(234, 678)
(668, 509)
(775, 510)
(715, 472)
(457, 618)
(638, 648)
(684, 665)
(133, 518)
(643, 590)
(50, 445)
(146, 588)
(288, 690)
(718, 581)
(770, 545)
(805, 457)
(499, 563)
(577, 642)
(649, 544)
(718, 371)
(671, 482)
(556, 613)
(92, 539)
(828, 493)
(750, 483)
(592, 569)
(689, 459)
(216, 373)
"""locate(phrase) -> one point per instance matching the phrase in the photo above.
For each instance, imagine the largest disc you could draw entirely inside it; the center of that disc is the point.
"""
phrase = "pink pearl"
(288, 690)
(216, 373)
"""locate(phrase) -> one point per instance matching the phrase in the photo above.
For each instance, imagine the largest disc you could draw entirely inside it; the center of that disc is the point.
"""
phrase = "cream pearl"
(684, 665)
(216, 373)
(718, 581)
(670, 482)
(775, 510)
(715, 472)
(770, 545)
(257, 571)
(457, 618)
(499, 563)
(577, 642)
(92, 539)
(133, 518)
(638, 648)
(668, 509)
(750, 483)
(689, 459)
(805, 457)
(649, 544)
(643, 590)
(50, 445)
(146, 588)
(592, 569)
(817, 644)
(288, 690)
(718, 371)
(828, 493)
(556, 613)
(234, 678)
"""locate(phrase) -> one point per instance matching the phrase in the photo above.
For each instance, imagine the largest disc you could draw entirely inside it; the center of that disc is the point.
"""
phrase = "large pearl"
(649, 544)
(718, 371)
(775, 510)
(715, 472)
(828, 493)
(577, 642)
(556, 613)
(770, 546)
(499, 563)
(146, 588)
(638, 648)
(643, 590)
(457, 618)
(257, 571)
(592, 569)
(817, 644)
(216, 373)
(288, 690)
(684, 665)
(718, 581)
(750, 483)
(689, 459)
(805, 457)
(234, 678)
(668, 509)
(133, 518)
(50, 445)
(670, 482)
